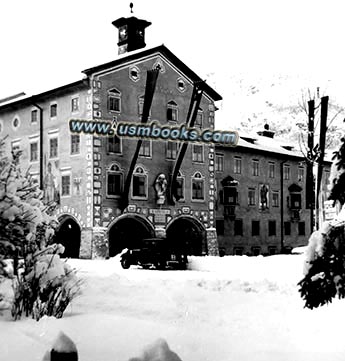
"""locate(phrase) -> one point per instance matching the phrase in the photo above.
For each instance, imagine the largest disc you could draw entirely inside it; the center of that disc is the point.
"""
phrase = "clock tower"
(131, 33)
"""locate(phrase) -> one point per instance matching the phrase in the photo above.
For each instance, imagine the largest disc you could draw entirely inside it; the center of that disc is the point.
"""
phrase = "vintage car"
(155, 252)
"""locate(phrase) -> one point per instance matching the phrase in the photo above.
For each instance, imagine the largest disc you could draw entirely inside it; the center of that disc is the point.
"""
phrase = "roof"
(259, 143)
(162, 50)
(36, 97)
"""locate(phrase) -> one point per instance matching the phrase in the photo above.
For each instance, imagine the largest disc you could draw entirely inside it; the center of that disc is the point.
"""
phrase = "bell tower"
(131, 33)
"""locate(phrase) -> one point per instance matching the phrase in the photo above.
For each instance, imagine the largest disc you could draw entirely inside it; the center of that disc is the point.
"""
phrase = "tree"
(325, 262)
(44, 285)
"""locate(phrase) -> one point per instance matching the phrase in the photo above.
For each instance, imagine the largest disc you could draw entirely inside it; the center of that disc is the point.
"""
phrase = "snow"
(222, 308)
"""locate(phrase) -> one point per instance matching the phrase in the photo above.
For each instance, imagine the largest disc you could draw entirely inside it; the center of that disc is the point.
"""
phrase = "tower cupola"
(131, 33)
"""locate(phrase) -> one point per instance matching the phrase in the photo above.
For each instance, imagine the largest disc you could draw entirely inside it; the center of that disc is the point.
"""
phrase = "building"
(261, 206)
(87, 173)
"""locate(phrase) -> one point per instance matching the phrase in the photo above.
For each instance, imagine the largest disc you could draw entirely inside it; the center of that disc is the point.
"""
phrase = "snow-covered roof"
(254, 141)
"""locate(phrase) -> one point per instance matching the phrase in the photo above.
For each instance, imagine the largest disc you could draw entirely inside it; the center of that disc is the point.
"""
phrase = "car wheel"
(125, 263)
(160, 265)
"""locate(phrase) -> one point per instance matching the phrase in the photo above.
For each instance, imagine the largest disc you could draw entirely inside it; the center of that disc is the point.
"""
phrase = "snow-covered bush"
(324, 269)
(43, 284)
(47, 287)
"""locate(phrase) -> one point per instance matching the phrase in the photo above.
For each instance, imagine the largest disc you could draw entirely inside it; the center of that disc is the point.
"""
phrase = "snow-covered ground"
(221, 309)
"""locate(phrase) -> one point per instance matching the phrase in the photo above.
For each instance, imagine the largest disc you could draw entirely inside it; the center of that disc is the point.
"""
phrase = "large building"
(114, 191)
(108, 198)
(262, 205)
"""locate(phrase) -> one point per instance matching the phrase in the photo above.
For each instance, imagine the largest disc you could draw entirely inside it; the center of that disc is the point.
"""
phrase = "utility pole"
(310, 193)
(322, 144)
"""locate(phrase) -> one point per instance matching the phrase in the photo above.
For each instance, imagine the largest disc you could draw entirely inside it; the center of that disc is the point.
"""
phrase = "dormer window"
(172, 115)
(114, 100)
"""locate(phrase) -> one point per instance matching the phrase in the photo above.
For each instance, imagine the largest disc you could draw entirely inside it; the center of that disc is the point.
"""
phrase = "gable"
(161, 52)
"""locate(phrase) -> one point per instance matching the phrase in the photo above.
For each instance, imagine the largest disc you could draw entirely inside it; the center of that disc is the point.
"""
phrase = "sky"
(45, 44)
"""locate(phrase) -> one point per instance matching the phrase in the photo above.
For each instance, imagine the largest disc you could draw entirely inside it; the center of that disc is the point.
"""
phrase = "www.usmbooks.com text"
(154, 131)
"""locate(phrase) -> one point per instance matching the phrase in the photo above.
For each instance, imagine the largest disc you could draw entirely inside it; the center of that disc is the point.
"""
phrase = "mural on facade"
(161, 188)
(51, 186)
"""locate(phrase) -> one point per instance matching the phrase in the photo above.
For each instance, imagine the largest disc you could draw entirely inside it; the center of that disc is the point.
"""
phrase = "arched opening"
(128, 232)
(188, 234)
(68, 234)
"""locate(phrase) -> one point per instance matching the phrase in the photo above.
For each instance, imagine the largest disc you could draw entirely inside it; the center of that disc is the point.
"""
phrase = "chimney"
(266, 132)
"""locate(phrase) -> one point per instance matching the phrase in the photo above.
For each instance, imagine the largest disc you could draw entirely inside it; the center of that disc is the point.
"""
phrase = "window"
(271, 228)
(171, 150)
(75, 104)
(230, 195)
(255, 167)
(172, 115)
(33, 152)
(181, 86)
(219, 163)
(34, 178)
(180, 187)
(114, 100)
(271, 169)
(287, 228)
(296, 201)
(300, 174)
(251, 196)
(198, 119)
(134, 73)
(286, 175)
(197, 153)
(66, 185)
(114, 181)
(197, 187)
(272, 251)
(275, 199)
(114, 144)
(327, 177)
(15, 123)
(301, 228)
(238, 165)
(238, 251)
(220, 227)
(238, 227)
(15, 145)
(145, 149)
(34, 117)
(141, 105)
(139, 189)
(255, 228)
(53, 147)
(53, 110)
(75, 144)
(256, 251)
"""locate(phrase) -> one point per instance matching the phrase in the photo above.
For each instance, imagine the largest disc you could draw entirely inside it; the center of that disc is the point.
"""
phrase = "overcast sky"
(48, 43)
